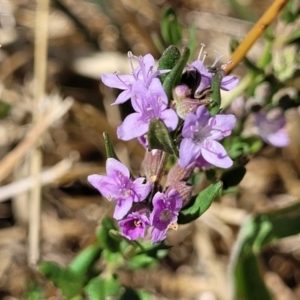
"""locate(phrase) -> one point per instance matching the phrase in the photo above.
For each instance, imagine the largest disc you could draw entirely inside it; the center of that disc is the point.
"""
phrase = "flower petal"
(113, 167)
(132, 127)
(149, 62)
(189, 122)
(170, 118)
(215, 154)
(229, 82)
(278, 139)
(202, 115)
(122, 82)
(142, 189)
(158, 93)
(139, 96)
(122, 208)
(123, 97)
(105, 185)
(158, 235)
(175, 202)
(188, 152)
(222, 126)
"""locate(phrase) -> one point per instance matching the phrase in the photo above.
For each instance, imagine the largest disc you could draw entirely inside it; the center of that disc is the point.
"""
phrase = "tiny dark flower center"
(200, 134)
(137, 223)
(165, 215)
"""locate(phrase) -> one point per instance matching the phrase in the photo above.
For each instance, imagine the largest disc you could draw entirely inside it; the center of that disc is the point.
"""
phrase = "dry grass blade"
(46, 177)
(48, 117)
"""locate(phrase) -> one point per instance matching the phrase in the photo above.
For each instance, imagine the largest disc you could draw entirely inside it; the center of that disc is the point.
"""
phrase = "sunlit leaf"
(201, 204)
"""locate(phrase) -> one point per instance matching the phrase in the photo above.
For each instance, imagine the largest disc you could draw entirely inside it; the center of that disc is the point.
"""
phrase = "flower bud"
(151, 164)
(184, 189)
(178, 173)
(183, 103)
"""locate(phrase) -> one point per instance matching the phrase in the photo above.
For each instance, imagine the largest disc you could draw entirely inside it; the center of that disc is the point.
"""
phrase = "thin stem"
(40, 65)
(256, 31)
(162, 167)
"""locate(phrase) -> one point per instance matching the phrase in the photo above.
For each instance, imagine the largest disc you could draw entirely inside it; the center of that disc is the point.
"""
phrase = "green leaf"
(141, 261)
(69, 283)
(246, 262)
(4, 109)
(233, 176)
(159, 137)
(201, 204)
(249, 284)
(289, 216)
(170, 27)
(168, 60)
(34, 291)
(110, 151)
(192, 39)
(157, 251)
(130, 294)
(85, 259)
(256, 233)
(174, 76)
(233, 44)
(51, 270)
(104, 237)
(214, 107)
(102, 288)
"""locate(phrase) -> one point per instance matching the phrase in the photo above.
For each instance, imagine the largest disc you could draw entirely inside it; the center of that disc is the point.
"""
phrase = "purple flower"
(143, 141)
(228, 82)
(148, 103)
(143, 72)
(271, 127)
(134, 225)
(201, 134)
(118, 186)
(164, 214)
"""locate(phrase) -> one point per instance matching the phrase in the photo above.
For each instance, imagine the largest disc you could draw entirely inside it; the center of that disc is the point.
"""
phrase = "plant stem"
(40, 66)
(256, 31)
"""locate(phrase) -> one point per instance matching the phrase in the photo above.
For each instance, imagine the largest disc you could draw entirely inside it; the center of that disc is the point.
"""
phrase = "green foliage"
(243, 146)
(256, 233)
(291, 12)
(82, 263)
(141, 261)
(4, 109)
(216, 92)
(233, 176)
(192, 39)
(33, 292)
(105, 239)
(174, 76)
(70, 283)
(168, 60)
(159, 137)
(101, 288)
(130, 294)
(110, 151)
(170, 27)
(201, 204)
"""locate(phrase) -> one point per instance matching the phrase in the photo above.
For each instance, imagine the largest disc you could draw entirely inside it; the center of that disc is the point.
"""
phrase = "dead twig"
(13, 158)
(46, 177)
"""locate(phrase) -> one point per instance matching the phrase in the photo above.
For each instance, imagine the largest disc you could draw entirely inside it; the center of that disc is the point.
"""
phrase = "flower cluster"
(143, 202)
(131, 205)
